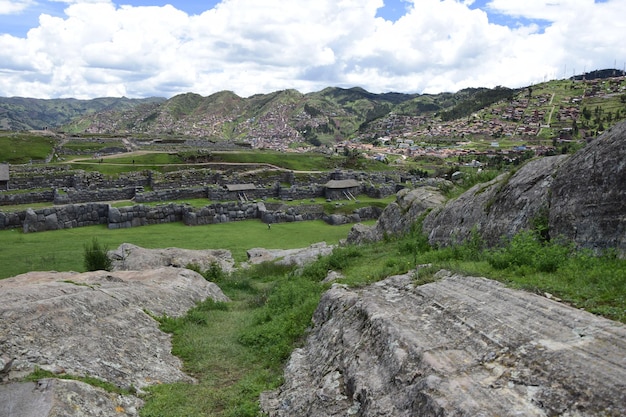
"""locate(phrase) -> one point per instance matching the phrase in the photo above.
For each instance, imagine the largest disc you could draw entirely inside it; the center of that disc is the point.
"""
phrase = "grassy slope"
(20, 148)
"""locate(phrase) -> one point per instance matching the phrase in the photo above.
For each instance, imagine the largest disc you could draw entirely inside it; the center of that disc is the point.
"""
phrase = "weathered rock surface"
(461, 346)
(129, 257)
(298, 257)
(96, 323)
(581, 197)
(398, 217)
(588, 202)
(61, 398)
(496, 209)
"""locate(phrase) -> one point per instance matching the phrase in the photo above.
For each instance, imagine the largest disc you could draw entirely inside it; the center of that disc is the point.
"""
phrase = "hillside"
(559, 109)
(19, 113)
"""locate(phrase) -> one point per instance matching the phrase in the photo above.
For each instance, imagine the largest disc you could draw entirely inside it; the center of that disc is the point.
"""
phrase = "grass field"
(62, 250)
(21, 148)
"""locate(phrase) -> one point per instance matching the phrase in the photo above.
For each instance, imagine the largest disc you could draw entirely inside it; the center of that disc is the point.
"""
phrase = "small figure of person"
(269, 226)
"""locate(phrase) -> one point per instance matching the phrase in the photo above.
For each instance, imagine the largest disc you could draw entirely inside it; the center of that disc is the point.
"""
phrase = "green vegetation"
(39, 373)
(91, 146)
(236, 350)
(478, 99)
(21, 148)
(167, 162)
(95, 257)
(61, 249)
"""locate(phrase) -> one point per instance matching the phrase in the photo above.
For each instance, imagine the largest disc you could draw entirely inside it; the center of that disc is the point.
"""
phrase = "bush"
(214, 273)
(95, 257)
(527, 249)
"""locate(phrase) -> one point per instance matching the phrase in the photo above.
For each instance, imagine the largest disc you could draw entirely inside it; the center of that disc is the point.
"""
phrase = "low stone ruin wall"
(75, 196)
(90, 214)
(172, 194)
(63, 217)
(14, 199)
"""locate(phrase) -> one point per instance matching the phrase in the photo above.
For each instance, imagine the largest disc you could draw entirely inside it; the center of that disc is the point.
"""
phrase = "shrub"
(214, 273)
(95, 257)
(528, 250)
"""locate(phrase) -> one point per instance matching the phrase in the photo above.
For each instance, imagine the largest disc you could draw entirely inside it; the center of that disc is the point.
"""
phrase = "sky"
(145, 48)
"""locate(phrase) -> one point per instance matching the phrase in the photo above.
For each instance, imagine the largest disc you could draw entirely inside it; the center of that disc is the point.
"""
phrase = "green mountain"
(578, 108)
(18, 113)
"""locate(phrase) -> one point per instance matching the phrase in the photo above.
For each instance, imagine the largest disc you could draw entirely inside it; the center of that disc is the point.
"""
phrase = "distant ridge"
(21, 113)
(288, 118)
(599, 74)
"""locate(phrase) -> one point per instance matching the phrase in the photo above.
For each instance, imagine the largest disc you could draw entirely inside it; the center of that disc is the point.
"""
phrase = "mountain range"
(319, 117)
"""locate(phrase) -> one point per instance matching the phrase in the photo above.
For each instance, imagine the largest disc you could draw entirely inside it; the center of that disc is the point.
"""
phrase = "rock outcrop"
(461, 346)
(129, 257)
(496, 209)
(95, 324)
(398, 217)
(297, 257)
(51, 397)
(588, 202)
(581, 198)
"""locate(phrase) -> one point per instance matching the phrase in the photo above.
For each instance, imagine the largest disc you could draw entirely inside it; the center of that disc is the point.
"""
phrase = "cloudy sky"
(142, 48)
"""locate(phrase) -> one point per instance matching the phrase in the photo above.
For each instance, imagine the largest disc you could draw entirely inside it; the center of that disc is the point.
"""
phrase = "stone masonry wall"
(90, 214)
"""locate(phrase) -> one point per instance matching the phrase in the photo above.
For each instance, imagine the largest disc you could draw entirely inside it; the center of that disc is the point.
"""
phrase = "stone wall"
(171, 194)
(140, 215)
(13, 199)
(79, 215)
(60, 185)
(75, 196)
(64, 217)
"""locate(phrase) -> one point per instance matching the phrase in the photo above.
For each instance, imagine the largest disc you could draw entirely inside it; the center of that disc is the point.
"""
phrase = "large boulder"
(460, 346)
(581, 197)
(97, 324)
(497, 209)
(52, 397)
(129, 257)
(398, 217)
(588, 201)
(296, 257)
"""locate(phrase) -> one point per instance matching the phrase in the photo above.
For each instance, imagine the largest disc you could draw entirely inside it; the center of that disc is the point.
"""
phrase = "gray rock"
(588, 200)
(60, 398)
(96, 324)
(129, 257)
(398, 217)
(298, 257)
(461, 346)
(496, 209)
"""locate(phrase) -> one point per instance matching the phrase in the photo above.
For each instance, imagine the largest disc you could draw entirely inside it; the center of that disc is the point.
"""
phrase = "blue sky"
(91, 48)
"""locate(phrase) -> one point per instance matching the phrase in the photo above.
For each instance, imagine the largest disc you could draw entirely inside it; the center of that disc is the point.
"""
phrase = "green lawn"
(62, 250)
(21, 148)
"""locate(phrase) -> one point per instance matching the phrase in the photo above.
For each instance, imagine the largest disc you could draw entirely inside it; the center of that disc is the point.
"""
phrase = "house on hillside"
(240, 190)
(4, 176)
(342, 189)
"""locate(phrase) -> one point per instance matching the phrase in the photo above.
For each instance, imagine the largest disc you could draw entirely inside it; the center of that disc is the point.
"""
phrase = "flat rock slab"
(60, 398)
(298, 257)
(461, 346)
(129, 257)
(97, 323)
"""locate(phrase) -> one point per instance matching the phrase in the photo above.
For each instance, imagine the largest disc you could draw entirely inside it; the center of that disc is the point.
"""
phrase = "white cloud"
(14, 6)
(98, 48)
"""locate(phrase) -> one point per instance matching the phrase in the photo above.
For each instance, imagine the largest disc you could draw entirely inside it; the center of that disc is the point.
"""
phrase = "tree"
(95, 257)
